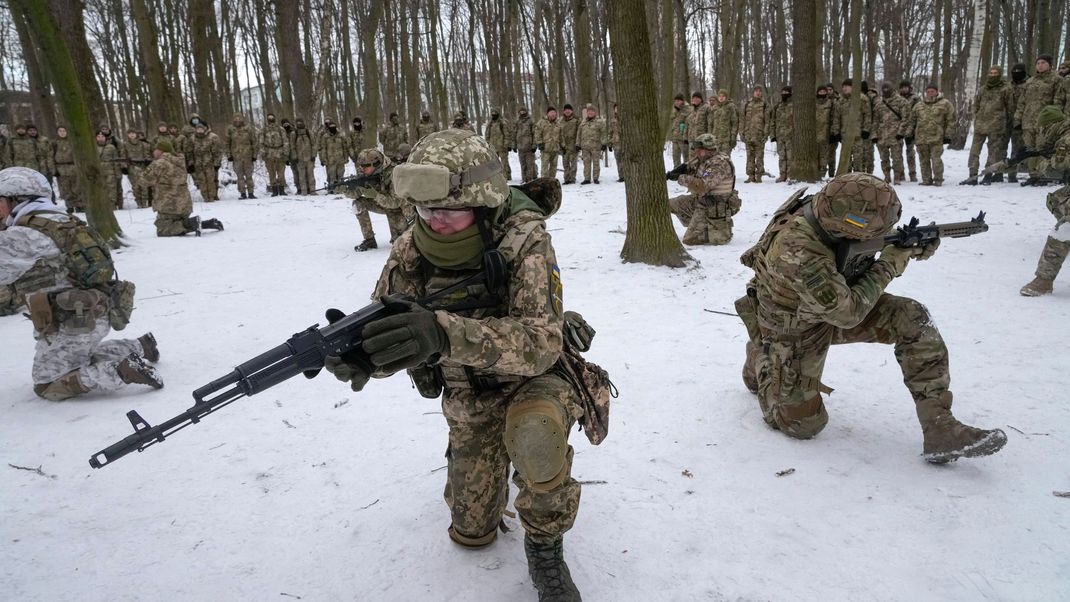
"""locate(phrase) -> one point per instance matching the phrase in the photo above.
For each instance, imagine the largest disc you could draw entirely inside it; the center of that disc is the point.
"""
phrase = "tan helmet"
(706, 141)
(858, 206)
(453, 168)
(372, 156)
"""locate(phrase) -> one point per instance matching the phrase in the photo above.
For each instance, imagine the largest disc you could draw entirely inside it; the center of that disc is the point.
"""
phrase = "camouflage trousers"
(856, 161)
(111, 184)
(304, 176)
(1031, 138)
(276, 171)
(891, 152)
(171, 224)
(867, 155)
(755, 159)
(335, 172)
(997, 150)
(477, 487)
(708, 221)
(911, 159)
(549, 164)
(568, 159)
(1057, 246)
(680, 152)
(784, 152)
(788, 366)
(528, 169)
(207, 181)
(68, 186)
(243, 169)
(828, 158)
(397, 219)
(1017, 145)
(142, 192)
(932, 163)
(507, 170)
(592, 163)
(68, 363)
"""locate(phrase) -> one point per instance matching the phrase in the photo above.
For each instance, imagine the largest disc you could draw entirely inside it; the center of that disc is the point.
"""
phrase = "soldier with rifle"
(1056, 127)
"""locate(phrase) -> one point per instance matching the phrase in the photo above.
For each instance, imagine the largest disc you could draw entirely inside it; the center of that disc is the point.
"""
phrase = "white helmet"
(23, 183)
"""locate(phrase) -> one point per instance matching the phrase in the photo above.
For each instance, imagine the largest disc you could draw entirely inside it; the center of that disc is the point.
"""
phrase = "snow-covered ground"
(312, 491)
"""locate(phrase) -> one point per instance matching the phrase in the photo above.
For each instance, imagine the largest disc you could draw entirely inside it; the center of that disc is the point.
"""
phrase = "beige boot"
(133, 369)
(1037, 287)
(947, 439)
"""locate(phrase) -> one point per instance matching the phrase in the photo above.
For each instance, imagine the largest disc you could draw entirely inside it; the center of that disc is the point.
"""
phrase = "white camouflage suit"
(63, 353)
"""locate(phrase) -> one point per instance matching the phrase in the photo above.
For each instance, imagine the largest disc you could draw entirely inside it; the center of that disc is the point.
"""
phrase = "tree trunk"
(268, 92)
(854, 114)
(806, 160)
(581, 25)
(292, 65)
(161, 93)
(650, 238)
(41, 103)
(371, 69)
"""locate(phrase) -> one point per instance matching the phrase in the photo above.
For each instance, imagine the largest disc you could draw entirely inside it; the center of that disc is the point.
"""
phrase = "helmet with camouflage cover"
(705, 141)
(23, 183)
(372, 156)
(403, 151)
(453, 168)
(857, 206)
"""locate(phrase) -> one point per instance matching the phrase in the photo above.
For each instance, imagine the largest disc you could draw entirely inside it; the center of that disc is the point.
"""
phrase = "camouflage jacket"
(1062, 95)
(841, 109)
(713, 176)
(569, 127)
(63, 152)
(1037, 92)
(931, 121)
(205, 152)
(591, 134)
(548, 134)
(724, 125)
(698, 121)
(241, 141)
(44, 156)
(274, 143)
(521, 334)
(302, 148)
(357, 142)
(522, 135)
(381, 195)
(754, 127)
(614, 131)
(678, 123)
(423, 128)
(167, 177)
(890, 117)
(1058, 165)
(993, 110)
(110, 161)
(30, 261)
(137, 154)
(781, 124)
(334, 148)
(826, 112)
(22, 152)
(497, 133)
(391, 137)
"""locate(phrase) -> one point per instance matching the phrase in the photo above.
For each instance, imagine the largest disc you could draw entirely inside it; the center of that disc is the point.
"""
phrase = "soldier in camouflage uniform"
(697, 121)
(614, 141)
(66, 174)
(424, 127)
(890, 117)
(22, 150)
(205, 154)
(303, 156)
(522, 139)
(591, 140)
(334, 151)
(43, 150)
(1019, 77)
(136, 155)
(839, 124)
(869, 98)
(754, 132)
(549, 142)
(171, 201)
(498, 134)
(493, 365)
(377, 198)
(242, 149)
(993, 111)
(781, 131)
(798, 304)
(570, 124)
(70, 316)
(825, 113)
(1054, 123)
(906, 92)
(724, 123)
(707, 211)
(460, 121)
(1062, 95)
(678, 130)
(274, 145)
(1037, 93)
(930, 127)
(110, 169)
(392, 135)
(358, 139)
(161, 133)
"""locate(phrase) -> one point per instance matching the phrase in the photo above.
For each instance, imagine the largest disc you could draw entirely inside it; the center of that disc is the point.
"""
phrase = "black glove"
(230, 158)
(1017, 127)
(189, 168)
(898, 136)
(610, 148)
(510, 150)
(125, 171)
(538, 147)
(604, 147)
(578, 148)
(352, 367)
(947, 140)
(323, 163)
(218, 165)
(910, 140)
(406, 339)
(834, 139)
(865, 135)
(253, 158)
(772, 139)
(876, 141)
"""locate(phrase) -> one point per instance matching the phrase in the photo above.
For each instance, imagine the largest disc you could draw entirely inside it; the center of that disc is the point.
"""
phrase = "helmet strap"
(808, 212)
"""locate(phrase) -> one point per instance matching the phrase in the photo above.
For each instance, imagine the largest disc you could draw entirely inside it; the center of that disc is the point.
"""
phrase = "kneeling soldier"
(706, 212)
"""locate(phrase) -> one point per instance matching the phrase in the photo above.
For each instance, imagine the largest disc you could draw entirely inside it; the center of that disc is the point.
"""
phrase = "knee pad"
(65, 387)
(801, 421)
(536, 438)
(473, 543)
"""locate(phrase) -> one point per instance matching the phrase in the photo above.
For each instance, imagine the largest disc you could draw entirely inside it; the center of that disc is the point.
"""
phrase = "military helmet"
(372, 156)
(857, 205)
(1050, 114)
(706, 141)
(404, 149)
(23, 182)
(451, 169)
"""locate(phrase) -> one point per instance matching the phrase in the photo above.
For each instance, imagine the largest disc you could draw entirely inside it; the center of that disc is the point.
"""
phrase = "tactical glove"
(926, 251)
(897, 258)
(125, 171)
(253, 158)
(230, 158)
(189, 168)
(604, 147)
(772, 138)
(610, 148)
(218, 165)
(538, 147)
(947, 140)
(405, 340)
(833, 139)
(353, 368)
(865, 135)
(578, 149)
(910, 140)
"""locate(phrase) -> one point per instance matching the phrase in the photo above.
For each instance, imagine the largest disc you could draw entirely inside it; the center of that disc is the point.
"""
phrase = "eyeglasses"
(441, 214)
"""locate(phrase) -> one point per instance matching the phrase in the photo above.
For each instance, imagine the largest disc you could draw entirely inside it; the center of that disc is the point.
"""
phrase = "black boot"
(192, 224)
(274, 190)
(548, 571)
(212, 224)
(133, 369)
(368, 244)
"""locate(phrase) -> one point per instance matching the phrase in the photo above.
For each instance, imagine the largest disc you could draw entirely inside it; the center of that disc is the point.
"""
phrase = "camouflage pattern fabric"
(275, 147)
(358, 139)
(1057, 245)
(724, 125)
(678, 134)
(391, 136)
(205, 153)
(1038, 92)
(138, 154)
(782, 130)
(1062, 95)
(241, 144)
(867, 144)
(614, 143)
(334, 152)
(67, 176)
(380, 199)
(931, 122)
(171, 224)
(522, 138)
(548, 134)
(498, 134)
(110, 172)
(824, 116)
(754, 126)
(591, 137)
(68, 363)
(841, 109)
(423, 128)
(890, 119)
(167, 177)
(569, 127)
(910, 156)
(23, 151)
(303, 155)
(698, 122)
(707, 212)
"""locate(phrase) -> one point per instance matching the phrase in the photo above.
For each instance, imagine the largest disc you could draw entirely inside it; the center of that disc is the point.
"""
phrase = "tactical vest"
(85, 253)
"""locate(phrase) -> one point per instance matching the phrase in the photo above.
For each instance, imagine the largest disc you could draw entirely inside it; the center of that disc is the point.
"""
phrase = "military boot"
(997, 177)
(1037, 287)
(149, 348)
(368, 244)
(133, 369)
(1012, 178)
(274, 190)
(192, 224)
(212, 224)
(549, 573)
(782, 178)
(947, 439)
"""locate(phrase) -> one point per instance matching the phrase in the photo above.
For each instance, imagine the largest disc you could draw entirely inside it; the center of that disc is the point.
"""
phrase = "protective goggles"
(440, 214)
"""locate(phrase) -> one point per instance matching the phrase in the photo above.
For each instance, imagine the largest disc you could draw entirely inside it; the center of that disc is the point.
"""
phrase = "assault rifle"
(677, 171)
(1000, 166)
(854, 258)
(353, 183)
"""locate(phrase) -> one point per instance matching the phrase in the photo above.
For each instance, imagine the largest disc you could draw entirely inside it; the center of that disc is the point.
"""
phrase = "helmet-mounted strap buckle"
(475, 175)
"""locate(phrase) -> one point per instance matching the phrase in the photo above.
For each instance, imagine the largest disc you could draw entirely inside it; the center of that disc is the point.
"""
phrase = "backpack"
(85, 253)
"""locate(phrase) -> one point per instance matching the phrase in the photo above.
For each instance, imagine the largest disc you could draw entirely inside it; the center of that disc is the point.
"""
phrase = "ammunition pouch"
(121, 303)
(77, 310)
(590, 381)
(426, 381)
(465, 377)
(41, 313)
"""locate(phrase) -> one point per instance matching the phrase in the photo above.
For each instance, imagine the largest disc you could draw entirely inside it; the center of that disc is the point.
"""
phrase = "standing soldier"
(334, 151)
(358, 139)
(303, 154)
(288, 127)
(137, 154)
(1055, 124)
(275, 148)
(677, 130)
(178, 140)
(754, 133)
(497, 134)
(724, 123)
(110, 166)
(424, 127)
(161, 134)
(460, 121)
(697, 121)
(798, 304)
(826, 139)
(993, 111)
(549, 142)
(711, 179)
(839, 124)
(1019, 77)
(1038, 92)
(591, 140)
(1062, 95)
(171, 199)
(206, 156)
(22, 150)
(906, 92)
(614, 140)
(570, 124)
(43, 152)
(869, 97)
(241, 145)
(376, 197)
(522, 140)
(782, 130)
(890, 113)
(930, 127)
(392, 135)
(63, 157)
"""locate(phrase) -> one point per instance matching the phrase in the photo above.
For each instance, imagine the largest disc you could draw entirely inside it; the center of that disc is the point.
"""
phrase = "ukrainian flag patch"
(856, 221)
(556, 301)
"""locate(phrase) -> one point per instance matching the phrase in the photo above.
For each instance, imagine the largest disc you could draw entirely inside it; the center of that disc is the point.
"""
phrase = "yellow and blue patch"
(556, 289)
(856, 221)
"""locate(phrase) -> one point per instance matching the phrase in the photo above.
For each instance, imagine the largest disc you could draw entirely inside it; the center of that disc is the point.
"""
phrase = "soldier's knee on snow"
(65, 387)
(802, 421)
(536, 438)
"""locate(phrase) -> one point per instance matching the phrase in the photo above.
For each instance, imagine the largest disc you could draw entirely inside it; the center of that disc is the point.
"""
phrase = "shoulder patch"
(556, 289)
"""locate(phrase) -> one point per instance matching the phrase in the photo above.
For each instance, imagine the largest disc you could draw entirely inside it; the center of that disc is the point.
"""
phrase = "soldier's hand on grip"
(897, 257)
(927, 250)
(354, 369)
(406, 339)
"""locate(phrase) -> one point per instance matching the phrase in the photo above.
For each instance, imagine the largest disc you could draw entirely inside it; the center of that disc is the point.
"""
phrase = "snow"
(311, 490)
